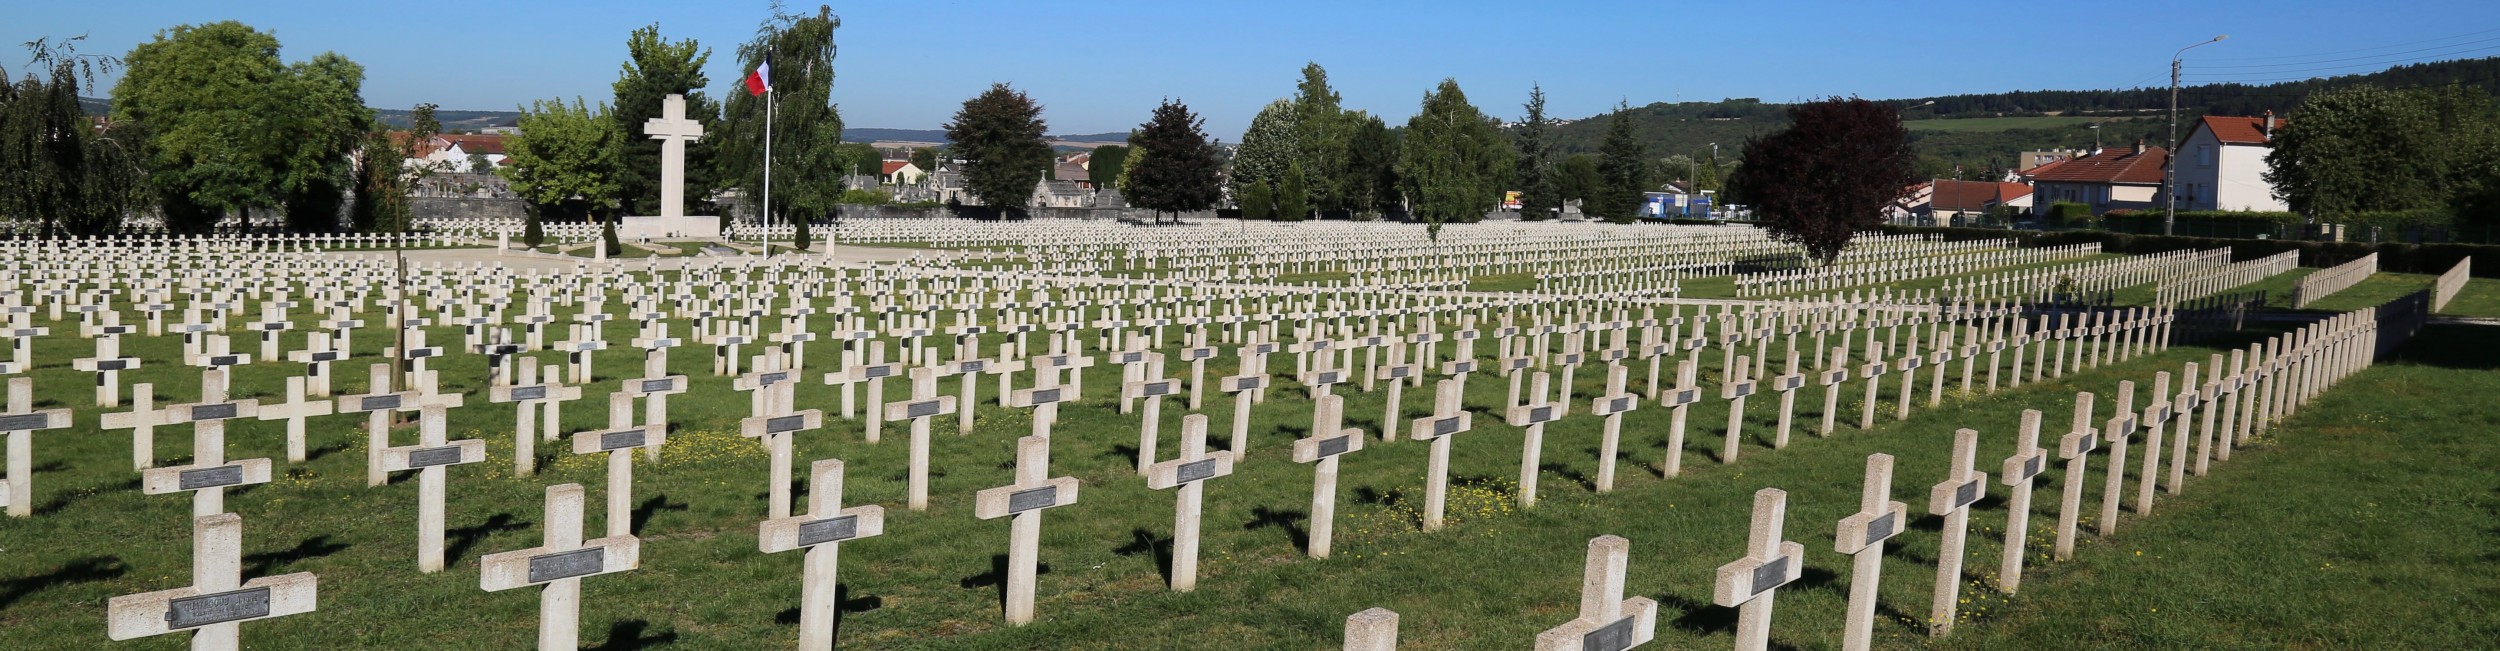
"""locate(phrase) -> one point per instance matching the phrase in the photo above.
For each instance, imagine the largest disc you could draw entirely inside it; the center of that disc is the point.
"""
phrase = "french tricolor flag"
(761, 81)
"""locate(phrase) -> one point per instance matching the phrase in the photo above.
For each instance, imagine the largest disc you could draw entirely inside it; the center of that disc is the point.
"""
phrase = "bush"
(2070, 214)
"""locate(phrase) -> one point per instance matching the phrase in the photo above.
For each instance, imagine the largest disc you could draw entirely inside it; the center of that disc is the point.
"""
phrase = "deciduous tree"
(1828, 175)
(1452, 161)
(1273, 141)
(564, 160)
(999, 135)
(56, 171)
(1173, 167)
(807, 165)
(655, 68)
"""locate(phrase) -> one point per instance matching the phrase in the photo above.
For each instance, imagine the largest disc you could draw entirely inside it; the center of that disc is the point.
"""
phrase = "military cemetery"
(1249, 403)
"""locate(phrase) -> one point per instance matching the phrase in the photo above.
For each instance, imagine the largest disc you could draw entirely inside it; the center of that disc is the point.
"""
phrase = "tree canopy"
(1828, 175)
(1622, 167)
(2369, 149)
(1273, 141)
(1537, 199)
(655, 68)
(807, 162)
(564, 159)
(230, 127)
(1173, 168)
(62, 175)
(999, 135)
(1453, 161)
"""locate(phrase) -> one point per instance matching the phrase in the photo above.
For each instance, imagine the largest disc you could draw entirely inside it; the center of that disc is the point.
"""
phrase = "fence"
(2450, 282)
(2333, 279)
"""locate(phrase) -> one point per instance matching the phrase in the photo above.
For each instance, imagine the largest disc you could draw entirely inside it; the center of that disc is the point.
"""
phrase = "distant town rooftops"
(2136, 165)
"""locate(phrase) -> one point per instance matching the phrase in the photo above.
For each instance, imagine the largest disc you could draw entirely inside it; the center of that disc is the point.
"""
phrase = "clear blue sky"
(1100, 66)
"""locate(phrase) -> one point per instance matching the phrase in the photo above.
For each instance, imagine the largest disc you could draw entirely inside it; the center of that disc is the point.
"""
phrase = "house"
(1911, 209)
(2223, 165)
(1950, 201)
(1062, 194)
(2111, 179)
(1075, 169)
(453, 153)
(901, 172)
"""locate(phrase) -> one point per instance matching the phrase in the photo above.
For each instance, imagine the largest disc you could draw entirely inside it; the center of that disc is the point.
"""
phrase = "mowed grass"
(1493, 579)
(2480, 298)
(2364, 523)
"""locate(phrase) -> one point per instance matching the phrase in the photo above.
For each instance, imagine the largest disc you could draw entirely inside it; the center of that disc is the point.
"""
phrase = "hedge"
(2392, 257)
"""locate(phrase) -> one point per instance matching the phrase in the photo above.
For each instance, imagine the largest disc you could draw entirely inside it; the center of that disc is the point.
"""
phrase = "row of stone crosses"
(2278, 383)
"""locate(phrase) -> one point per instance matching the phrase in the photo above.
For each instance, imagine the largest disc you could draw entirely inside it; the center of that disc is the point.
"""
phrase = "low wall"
(422, 209)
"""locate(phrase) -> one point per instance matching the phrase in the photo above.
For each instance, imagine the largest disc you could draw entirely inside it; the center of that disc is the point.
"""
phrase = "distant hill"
(1978, 131)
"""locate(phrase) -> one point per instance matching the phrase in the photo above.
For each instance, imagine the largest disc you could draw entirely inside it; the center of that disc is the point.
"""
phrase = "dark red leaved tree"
(1828, 175)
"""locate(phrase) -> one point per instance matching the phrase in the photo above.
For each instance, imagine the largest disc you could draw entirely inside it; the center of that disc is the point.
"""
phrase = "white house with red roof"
(2222, 164)
(900, 172)
(2127, 178)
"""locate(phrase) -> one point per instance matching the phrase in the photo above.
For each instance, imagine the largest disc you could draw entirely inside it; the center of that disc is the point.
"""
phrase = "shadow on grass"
(1700, 618)
(1292, 521)
(270, 562)
(629, 634)
(456, 542)
(843, 603)
(1142, 541)
(650, 507)
(62, 500)
(84, 570)
(2453, 345)
(997, 577)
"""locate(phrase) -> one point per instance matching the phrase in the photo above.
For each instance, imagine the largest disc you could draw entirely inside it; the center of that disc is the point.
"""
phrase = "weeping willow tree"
(58, 170)
(807, 162)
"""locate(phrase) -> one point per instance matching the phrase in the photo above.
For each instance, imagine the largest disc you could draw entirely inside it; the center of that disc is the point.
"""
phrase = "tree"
(56, 170)
(325, 118)
(383, 180)
(924, 158)
(1272, 142)
(1828, 175)
(1257, 202)
(806, 129)
(1321, 131)
(654, 69)
(1537, 198)
(532, 232)
(1622, 164)
(1173, 167)
(861, 158)
(800, 237)
(1105, 164)
(1371, 167)
(231, 128)
(1293, 196)
(999, 135)
(2366, 149)
(1453, 160)
(564, 160)
(1578, 179)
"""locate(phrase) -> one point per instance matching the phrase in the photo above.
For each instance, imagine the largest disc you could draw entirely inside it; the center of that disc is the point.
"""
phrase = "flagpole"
(768, 164)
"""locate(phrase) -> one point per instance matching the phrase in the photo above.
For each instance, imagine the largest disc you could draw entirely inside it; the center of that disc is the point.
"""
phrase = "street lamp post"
(2170, 162)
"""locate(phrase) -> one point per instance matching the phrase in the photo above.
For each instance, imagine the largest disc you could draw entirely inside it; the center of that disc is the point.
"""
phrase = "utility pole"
(2170, 160)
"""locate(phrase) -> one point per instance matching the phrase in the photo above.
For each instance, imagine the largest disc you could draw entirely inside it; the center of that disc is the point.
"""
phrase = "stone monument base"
(668, 228)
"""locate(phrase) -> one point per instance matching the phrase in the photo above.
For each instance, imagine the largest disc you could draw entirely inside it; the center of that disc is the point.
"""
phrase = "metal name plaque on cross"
(219, 608)
(1621, 404)
(1965, 494)
(769, 379)
(1335, 446)
(781, 424)
(828, 530)
(662, 384)
(1445, 426)
(1164, 388)
(26, 422)
(371, 403)
(973, 366)
(1879, 529)
(621, 440)
(112, 365)
(220, 411)
(922, 409)
(1770, 575)
(1045, 396)
(1611, 637)
(1033, 498)
(566, 565)
(529, 393)
(1194, 471)
(442, 456)
(192, 480)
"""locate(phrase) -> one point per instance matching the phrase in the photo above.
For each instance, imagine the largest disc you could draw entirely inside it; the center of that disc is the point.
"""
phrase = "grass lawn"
(2481, 297)
(2373, 291)
(1491, 580)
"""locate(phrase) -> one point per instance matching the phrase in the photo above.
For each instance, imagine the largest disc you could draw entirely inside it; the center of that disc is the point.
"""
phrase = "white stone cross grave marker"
(208, 440)
(1448, 418)
(558, 565)
(21, 422)
(1613, 404)
(1862, 536)
(1749, 583)
(1607, 621)
(532, 395)
(1033, 491)
(141, 420)
(924, 404)
(2116, 433)
(1533, 416)
(1329, 440)
(1678, 401)
(1188, 473)
(431, 457)
(619, 442)
(2024, 466)
(294, 411)
(218, 601)
(1735, 390)
(1952, 499)
(2076, 448)
(821, 532)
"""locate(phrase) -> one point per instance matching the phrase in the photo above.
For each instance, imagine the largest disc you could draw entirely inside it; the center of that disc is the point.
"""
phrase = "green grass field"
(1491, 580)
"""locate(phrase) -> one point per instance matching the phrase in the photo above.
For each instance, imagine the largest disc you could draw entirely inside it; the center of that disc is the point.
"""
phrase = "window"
(2205, 155)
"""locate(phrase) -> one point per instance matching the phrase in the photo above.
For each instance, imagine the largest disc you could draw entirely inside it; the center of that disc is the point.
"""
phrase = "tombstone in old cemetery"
(141, 420)
(1607, 621)
(218, 601)
(1374, 629)
(1448, 419)
(925, 403)
(1188, 474)
(821, 532)
(2116, 432)
(1329, 440)
(1033, 491)
(2025, 464)
(430, 457)
(1862, 536)
(1952, 498)
(21, 422)
(532, 400)
(619, 441)
(208, 472)
(1612, 405)
(558, 565)
(1748, 583)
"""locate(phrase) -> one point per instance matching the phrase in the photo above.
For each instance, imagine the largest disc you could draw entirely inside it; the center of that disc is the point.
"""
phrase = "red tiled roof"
(893, 166)
(1975, 195)
(2240, 131)
(476, 143)
(2116, 165)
